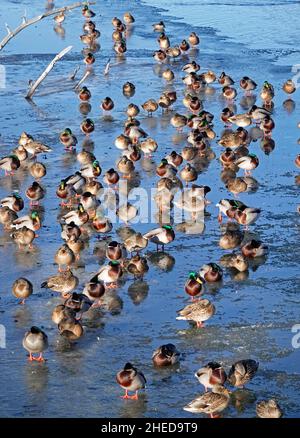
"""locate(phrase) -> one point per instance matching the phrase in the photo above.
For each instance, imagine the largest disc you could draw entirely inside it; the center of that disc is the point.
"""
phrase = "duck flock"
(82, 215)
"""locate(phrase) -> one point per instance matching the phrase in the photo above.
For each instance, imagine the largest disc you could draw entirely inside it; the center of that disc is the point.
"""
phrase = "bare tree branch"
(74, 74)
(86, 74)
(11, 34)
(33, 86)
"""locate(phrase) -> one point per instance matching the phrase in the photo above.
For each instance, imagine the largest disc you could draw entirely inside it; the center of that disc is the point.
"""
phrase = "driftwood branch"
(12, 33)
(86, 74)
(34, 85)
(74, 74)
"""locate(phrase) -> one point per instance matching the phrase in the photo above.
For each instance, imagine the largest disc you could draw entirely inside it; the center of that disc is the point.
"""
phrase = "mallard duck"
(37, 170)
(150, 106)
(267, 93)
(68, 139)
(247, 216)
(70, 328)
(84, 94)
(248, 163)
(21, 153)
(225, 115)
(65, 191)
(267, 125)
(122, 142)
(236, 261)
(75, 182)
(211, 375)
(94, 187)
(25, 138)
(70, 230)
(107, 104)
(9, 164)
(31, 221)
(80, 303)
(241, 184)
(242, 372)
(135, 243)
(165, 355)
(91, 170)
(115, 251)
(225, 80)
(208, 76)
(132, 110)
(127, 212)
(199, 311)
(178, 121)
(89, 59)
(160, 55)
(159, 27)
(87, 12)
(184, 46)
(102, 224)
(232, 139)
(229, 93)
(109, 274)
(35, 147)
(133, 153)
(194, 285)
(163, 41)
(210, 402)
(289, 87)
(254, 248)
(78, 216)
(64, 256)
(247, 84)
(120, 47)
(22, 289)
(111, 177)
(116, 22)
(64, 283)
(125, 166)
(174, 159)
(188, 153)
(76, 245)
(191, 67)
(128, 89)
(194, 40)
(35, 341)
(135, 133)
(168, 75)
(228, 157)
(89, 201)
(297, 160)
(258, 113)
(35, 193)
(132, 380)
(137, 266)
(23, 237)
(89, 39)
(148, 146)
(268, 409)
(87, 126)
(240, 120)
(128, 18)
(211, 272)
(188, 174)
(165, 170)
(89, 26)
(94, 290)
(231, 239)
(61, 312)
(14, 202)
(164, 102)
(228, 208)
(161, 236)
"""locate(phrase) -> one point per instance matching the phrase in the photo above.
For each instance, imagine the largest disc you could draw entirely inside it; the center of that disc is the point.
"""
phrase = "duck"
(122, 142)
(94, 290)
(131, 380)
(135, 133)
(63, 283)
(128, 89)
(297, 160)
(127, 212)
(247, 216)
(125, 166)
(247, 84)
(267, 125)
(161, 236)
(236, 261)
(150, 106)
(115, 251)
(61, 312)
(211, 375)
(267, 93)
(9, 164)
(107, 104)
(163, 41)
(191, 67)
(80, 303)
(133, 153)
(268, 409)
(35, 147)
(116, 22)
(87, 126)
(84, 94)
(165, 355)
(168, 75)
(211, 272)
(229, 93)
(254, 248)
(22, 289)
(68, 139)
(21, 153)
(35, 341)
(188, 153)
(241, 184)
(65, 191)
(248, 163)
(184, 46)
(91, 170)
(89, 26)
(35, 193)
(25, 138)
(289, 87)
(199, 311)
(194, 39)
(258, 113)
(188, 173)
(31, 221)
(242, 372)
(93, 187)
(120, 47)
(160, 55)
(225, 115)
(79, 216)
(64, 256)
(194, 285)
(174, 159)
(148, 146)
(132, 110)
(137, 266)
(13, 202)
(111, 177)
(165, 170)
(159, 27)
(70, 328)
(38, 170)
(233, 139)
(228, 157)
(101, 224)
(23, 237)
(89, 59)
(231, 239)
(135, 243)
(225, 80)
(89, 201)
(109, 274)
(70, 230)
(211, 403)
(240, 120)
(87, 12)
(178, 121)
(228, 208)
(76, 245)
(128, 18)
